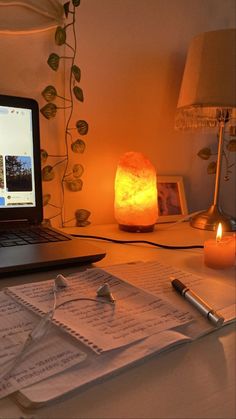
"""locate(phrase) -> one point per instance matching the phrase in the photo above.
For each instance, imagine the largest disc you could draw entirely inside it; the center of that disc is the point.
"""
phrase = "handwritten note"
(103, 327)
(51, 355)
(155, 278)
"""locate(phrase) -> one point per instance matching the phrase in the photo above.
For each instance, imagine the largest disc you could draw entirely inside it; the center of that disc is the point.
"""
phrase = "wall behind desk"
(132, 55)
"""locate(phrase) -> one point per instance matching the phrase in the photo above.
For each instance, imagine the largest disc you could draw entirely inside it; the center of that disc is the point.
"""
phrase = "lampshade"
(209, 80)
(207, 99)
(135, 193)
(20, 16)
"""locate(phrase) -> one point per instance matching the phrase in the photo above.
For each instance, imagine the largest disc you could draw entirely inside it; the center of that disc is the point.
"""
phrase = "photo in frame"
(171, 198)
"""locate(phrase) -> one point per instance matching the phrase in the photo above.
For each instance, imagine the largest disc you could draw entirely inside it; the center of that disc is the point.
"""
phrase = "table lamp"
(24, 16)
(135, 193)
(208, 100)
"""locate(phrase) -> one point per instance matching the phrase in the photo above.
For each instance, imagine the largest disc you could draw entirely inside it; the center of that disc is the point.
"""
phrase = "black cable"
(163, 246)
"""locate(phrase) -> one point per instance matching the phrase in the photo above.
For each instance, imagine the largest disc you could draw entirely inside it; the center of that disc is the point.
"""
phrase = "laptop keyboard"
(33, 235)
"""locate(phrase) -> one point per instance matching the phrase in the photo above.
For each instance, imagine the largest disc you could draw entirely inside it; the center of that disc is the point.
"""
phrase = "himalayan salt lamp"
(135, 193)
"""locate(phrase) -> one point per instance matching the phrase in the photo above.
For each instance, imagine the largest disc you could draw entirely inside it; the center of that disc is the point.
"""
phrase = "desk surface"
(196, 380)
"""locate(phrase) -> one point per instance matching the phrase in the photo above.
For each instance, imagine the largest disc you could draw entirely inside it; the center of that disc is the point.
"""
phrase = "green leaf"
(66, 8)
(44, 156)
(74, 185)
(77, 72)
(211, 168)
(78, 170)
(76, 3)
(81, 216)
(49, 93)
(78, 92)
(204, 153)
(48, 173)
(82, 127)
(60, 36)
(49, 111)
(78, 146)
(231, 146)
(53, 61)
(46, 199)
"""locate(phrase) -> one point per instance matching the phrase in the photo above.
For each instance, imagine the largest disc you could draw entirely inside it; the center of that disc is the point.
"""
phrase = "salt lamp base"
(136, 229)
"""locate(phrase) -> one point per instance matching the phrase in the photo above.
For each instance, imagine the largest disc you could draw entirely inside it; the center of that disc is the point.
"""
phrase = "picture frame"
(172, 203)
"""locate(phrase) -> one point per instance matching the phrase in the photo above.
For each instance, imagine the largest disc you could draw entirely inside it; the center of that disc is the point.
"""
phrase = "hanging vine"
(71, 179)
(229, 146)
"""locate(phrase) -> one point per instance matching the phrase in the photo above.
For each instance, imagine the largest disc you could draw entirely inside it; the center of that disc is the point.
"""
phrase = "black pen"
(216, 318)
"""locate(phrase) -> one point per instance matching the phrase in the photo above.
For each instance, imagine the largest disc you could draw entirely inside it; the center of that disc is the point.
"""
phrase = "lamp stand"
(209, 220)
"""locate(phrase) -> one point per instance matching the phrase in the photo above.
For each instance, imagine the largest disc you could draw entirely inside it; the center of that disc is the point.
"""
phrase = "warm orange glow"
(135, 191)
(219, 233)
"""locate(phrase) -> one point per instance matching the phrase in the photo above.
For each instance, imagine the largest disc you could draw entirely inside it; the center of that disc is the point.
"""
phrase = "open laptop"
(21, 209)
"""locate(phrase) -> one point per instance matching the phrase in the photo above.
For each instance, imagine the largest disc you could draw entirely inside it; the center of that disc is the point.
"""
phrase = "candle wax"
(220, 254)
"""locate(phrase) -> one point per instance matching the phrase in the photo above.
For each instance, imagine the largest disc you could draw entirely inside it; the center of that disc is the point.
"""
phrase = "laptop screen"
(16, 158)
(20, 182)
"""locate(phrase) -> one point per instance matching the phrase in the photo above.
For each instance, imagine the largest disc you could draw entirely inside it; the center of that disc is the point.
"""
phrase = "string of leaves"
(229, 146)
(71, 179)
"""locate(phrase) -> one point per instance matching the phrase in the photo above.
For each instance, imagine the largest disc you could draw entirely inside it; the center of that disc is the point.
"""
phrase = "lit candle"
(219, 253)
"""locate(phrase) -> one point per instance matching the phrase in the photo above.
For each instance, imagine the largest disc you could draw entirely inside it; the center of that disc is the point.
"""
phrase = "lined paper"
(135, 315)
(51, 355)
(155, 277)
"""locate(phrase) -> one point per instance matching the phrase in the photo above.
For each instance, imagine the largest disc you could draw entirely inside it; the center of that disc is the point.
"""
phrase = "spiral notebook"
(99, 324)
(179, 322)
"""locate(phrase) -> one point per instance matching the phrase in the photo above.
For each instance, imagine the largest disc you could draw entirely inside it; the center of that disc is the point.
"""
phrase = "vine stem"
(59, 162)
(69, 116)
(54, 206)
(64, 107)
(65, 57)
(57, 155)
(69, 46)
(68, 221)
(64, 98)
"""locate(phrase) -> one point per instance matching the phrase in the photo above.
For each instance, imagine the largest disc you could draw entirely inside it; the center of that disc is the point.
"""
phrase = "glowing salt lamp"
(135, 193)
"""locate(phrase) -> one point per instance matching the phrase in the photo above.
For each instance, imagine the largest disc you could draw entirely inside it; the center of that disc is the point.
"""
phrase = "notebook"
(144, 297)
(21, 208)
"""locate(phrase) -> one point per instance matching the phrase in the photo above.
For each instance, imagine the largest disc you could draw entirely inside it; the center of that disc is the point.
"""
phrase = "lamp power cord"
(163, 246)
(150, 243)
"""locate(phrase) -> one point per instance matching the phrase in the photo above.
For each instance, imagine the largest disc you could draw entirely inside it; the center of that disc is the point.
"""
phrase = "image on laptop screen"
(16, 158)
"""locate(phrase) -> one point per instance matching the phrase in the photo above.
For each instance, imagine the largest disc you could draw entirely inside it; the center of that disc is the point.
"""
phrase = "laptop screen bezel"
(32, 214)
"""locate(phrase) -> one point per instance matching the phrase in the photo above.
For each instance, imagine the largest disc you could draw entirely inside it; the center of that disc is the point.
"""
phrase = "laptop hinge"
(14, 223)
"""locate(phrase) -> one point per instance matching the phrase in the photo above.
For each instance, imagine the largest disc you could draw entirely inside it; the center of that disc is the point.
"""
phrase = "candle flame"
(219, 233)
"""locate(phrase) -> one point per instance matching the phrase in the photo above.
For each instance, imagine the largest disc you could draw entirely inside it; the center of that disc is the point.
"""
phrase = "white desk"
(197, 380)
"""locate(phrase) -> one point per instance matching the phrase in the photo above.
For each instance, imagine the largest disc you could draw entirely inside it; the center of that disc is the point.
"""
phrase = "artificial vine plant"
(229, 147)
(71, 178)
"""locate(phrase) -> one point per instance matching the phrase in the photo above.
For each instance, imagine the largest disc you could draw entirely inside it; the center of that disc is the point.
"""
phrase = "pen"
(216, 318)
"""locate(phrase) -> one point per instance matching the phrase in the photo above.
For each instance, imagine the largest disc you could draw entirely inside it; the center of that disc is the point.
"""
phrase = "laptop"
(26, 244)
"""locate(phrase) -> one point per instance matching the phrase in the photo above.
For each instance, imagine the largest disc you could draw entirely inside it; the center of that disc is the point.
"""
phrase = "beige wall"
(132, 55)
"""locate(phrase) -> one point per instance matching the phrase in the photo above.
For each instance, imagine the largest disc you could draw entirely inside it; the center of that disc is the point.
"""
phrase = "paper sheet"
(135, 315)
(43, 359)
(155, 278)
